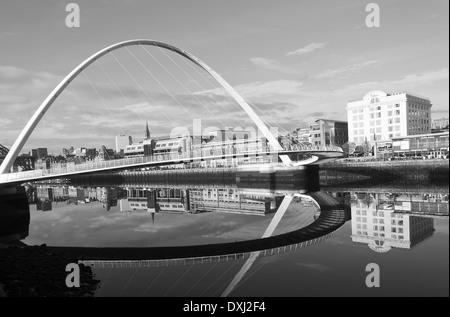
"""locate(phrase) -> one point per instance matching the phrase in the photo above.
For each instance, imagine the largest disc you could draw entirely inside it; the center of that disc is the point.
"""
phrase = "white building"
(381, 116)
(122, 141)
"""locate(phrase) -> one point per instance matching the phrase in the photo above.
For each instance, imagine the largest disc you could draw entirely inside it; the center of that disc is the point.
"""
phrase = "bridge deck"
(142, 162)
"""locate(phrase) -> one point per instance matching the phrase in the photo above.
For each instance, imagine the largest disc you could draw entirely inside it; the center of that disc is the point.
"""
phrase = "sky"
(295, 60)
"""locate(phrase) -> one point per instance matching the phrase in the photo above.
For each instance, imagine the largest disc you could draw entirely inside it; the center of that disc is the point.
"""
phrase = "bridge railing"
(169, 158)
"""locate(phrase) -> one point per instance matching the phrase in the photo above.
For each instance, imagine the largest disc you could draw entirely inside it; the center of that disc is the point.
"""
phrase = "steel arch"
(32, 123)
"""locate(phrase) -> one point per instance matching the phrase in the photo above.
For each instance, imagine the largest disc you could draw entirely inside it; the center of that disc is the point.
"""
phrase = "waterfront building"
(432, 145)
(303, 136)
(122, 141)
(329, 132)
(381, 116)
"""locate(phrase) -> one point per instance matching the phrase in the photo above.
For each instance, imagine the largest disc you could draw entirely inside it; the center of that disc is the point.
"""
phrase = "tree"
(366, 148)
(348, 148)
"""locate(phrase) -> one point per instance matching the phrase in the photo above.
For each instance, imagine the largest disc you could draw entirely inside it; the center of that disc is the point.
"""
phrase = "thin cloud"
(407, 82)
(262, 89)
(307, 49)
(270, 64)
(345, 70)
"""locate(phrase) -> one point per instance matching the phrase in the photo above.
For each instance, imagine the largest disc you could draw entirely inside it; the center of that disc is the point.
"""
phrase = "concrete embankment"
(403, 173)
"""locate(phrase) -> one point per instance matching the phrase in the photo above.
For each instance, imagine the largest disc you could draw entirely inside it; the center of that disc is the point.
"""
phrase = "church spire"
(147, 131)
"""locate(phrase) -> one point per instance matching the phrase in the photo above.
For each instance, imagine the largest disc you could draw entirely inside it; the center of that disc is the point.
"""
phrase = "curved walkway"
(331, 218)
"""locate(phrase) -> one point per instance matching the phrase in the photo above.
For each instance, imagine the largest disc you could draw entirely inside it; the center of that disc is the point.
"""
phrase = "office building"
(329, 132)
(381, 116)
(432, 145)
(39, 153)
(122, 141)
(302, 136)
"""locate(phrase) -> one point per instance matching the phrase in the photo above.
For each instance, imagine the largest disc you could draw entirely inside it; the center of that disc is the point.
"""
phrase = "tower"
(147, 131)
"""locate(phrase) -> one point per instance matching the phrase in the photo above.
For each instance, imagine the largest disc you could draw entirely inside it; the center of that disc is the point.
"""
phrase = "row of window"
(169, 144)
(418, 121)
(418, 107)
(381, 235)
(416, 113)
(377, 108)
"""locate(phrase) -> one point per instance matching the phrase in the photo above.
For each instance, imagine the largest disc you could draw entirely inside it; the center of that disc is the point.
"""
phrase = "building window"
(390, 113)
(397, 120)
(397, 112)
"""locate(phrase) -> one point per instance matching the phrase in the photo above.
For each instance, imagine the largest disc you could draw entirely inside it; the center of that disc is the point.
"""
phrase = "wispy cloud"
(407, 82)
(345, 70)
(262, 89)
(270, 64)
(307, 49)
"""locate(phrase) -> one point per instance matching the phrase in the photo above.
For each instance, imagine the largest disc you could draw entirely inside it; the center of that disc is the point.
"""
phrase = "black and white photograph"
(223, 154)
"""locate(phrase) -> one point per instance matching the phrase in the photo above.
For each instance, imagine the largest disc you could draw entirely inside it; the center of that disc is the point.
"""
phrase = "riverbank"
(35, 271)
(416, 171)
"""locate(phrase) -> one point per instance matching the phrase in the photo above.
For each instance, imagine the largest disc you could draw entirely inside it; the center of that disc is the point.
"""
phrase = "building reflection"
(44, 195)
(196, 201)
(163, 200)
(385, 220)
